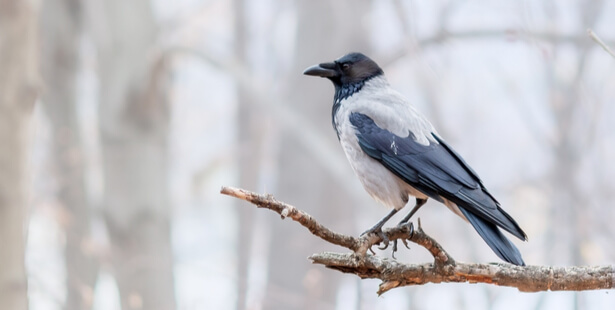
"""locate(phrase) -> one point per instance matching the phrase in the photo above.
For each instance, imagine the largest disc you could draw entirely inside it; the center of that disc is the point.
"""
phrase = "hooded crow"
(396, 153)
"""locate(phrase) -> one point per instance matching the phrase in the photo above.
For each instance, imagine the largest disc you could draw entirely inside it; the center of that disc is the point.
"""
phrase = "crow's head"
(349, 69)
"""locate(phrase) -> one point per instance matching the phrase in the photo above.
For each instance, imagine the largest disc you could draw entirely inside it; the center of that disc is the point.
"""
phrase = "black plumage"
(439, 172)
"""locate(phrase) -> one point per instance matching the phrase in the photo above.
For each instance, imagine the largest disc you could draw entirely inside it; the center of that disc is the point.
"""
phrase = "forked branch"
(444, 268)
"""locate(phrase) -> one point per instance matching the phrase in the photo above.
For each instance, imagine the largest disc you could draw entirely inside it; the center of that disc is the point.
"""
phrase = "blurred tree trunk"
(134, 120)
(569, 219)
(250, 130)
(60, 26)
(568, 231)
(572, 135)
(17, 96)
(323, 35)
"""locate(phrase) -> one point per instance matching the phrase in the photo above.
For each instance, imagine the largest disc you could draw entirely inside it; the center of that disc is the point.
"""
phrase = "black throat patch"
(346, 90)
(342, 92)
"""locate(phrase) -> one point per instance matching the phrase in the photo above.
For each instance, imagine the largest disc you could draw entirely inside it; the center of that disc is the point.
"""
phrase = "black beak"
(328, 70)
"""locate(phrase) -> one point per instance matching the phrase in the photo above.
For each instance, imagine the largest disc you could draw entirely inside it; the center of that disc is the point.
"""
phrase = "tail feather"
(492, 235)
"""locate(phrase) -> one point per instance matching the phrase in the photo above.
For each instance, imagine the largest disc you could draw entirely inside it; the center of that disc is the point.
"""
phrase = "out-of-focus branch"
(505, 34)
(595, 37)
(295, 123)
(444, 268)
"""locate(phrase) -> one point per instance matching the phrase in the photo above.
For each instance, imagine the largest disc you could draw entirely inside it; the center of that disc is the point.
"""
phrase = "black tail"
(502, 247)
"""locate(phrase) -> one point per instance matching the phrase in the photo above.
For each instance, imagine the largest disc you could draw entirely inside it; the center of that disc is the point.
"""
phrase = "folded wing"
(439, 172)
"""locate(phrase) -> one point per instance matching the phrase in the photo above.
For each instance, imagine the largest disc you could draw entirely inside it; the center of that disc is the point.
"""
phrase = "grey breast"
(390, 111)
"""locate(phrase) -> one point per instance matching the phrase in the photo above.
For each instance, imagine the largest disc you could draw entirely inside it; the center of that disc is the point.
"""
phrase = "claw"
(383, 237)
(385, 240)
(383, 247)
(405, 243)
(411, 226)
(394, 248)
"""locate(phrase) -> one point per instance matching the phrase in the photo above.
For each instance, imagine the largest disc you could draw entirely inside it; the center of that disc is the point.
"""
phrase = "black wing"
(438, 171)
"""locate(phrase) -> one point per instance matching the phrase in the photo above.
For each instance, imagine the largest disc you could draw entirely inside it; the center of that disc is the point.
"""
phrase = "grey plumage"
(396, 152)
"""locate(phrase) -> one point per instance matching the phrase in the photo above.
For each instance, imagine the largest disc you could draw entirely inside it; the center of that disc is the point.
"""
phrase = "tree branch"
(595, 37)
(444, 268)
(500, 34)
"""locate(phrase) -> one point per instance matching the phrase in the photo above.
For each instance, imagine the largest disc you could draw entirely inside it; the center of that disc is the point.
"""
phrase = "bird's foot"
(411, 229)
(377, 230)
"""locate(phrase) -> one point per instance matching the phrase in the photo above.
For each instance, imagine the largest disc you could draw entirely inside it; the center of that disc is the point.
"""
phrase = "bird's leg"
(419, 203)
(380, 223)
(377, 229)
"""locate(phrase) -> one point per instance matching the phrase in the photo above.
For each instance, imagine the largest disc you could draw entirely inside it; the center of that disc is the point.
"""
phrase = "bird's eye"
(345, 66)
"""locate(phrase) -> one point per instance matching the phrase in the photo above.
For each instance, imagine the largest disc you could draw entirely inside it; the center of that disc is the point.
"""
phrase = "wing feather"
(434, 169)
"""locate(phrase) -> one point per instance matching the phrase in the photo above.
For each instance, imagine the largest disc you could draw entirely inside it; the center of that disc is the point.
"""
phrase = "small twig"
(595, 37)
(285, 210)
(444, 269)
(358, 245)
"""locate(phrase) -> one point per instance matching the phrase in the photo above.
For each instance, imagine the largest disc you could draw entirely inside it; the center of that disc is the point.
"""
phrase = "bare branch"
(444, 268)
(285, 210)
(595, 37)
(527, 279)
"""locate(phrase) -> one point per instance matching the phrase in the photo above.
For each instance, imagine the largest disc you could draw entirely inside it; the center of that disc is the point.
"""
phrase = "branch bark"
(443, 269)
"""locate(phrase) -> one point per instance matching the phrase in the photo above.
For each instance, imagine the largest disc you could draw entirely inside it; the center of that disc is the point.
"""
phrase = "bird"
(397, 153)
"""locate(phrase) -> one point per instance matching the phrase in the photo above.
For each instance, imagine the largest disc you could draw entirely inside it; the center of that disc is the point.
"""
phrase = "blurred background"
(120, 121)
